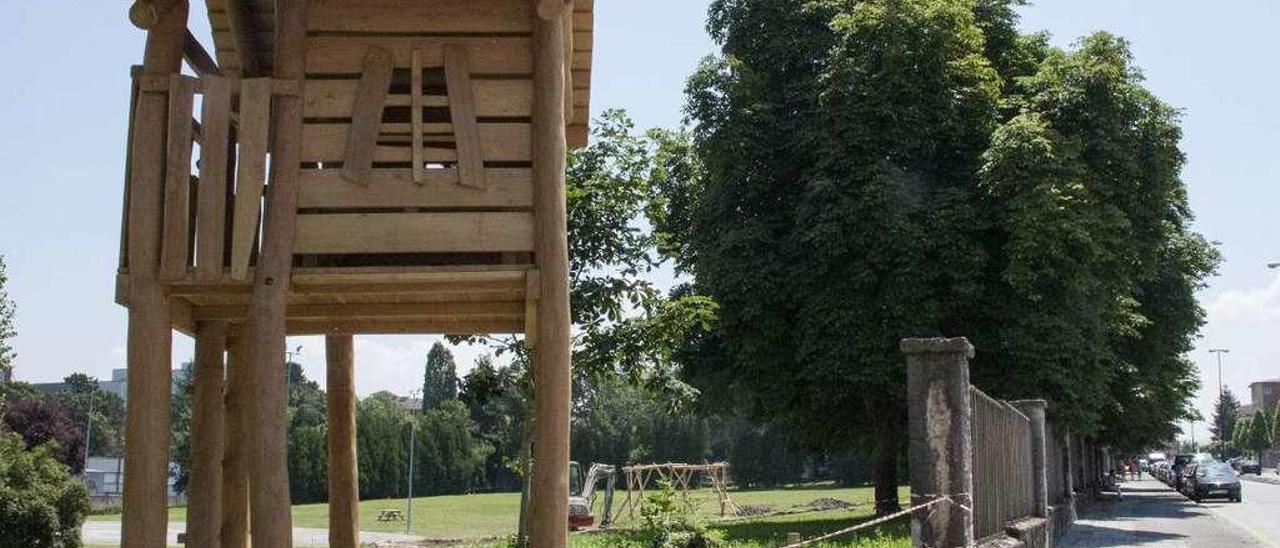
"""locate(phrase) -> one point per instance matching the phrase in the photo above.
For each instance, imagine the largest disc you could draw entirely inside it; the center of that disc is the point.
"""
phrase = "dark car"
(1175, 472)
(1249, 467)
(1208, 480)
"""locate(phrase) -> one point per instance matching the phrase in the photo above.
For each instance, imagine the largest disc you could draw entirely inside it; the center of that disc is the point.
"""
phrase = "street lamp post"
(88, 428)
(408, 518)
(1222, 443)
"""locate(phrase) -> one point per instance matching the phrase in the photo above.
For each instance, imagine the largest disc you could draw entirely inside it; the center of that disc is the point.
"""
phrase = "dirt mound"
(754, 510)
(829, 504)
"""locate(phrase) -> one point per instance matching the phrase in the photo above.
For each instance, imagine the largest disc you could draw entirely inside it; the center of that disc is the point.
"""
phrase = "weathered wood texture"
(235, 460)
(255, 112)
(551, 360)
(215, 145)
(270, 511)
(149, 337)
(173, 252)
(204, 507)
(366, 116)
(344, 491)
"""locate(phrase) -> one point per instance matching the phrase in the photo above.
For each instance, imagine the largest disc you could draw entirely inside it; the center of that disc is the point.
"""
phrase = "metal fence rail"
(1002, 488)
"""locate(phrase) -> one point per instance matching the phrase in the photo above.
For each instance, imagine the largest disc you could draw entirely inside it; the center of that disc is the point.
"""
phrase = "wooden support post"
(204, 506)
(344, 492)
(150, 334)
(235, 458)
(551, 361)
(270, 509)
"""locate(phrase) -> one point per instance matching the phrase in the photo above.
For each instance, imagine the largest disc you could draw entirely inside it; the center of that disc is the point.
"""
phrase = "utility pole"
(1219, 352)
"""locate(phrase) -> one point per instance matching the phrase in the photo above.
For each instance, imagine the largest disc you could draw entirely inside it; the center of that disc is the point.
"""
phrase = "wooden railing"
(212, 202)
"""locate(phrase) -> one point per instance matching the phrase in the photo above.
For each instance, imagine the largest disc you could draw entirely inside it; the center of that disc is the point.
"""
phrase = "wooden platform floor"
(420, 300)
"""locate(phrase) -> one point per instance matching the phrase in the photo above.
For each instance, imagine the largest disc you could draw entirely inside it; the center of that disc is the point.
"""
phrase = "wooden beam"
(462, 112)
(255, 113)
(446, 310)
(174, 258)
(466, 326)
(344, 474)
(366, 117)
(419, 160)
(551, 360)
(507, 188)
(204, 508)
(270, 510)
(414, 232)
(149, 355)
(198, 58)
(215, 143)
(501, 142)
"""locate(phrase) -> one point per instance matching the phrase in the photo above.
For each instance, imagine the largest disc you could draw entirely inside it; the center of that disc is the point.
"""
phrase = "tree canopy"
(7, 330)
(440, 378)
(868, 170)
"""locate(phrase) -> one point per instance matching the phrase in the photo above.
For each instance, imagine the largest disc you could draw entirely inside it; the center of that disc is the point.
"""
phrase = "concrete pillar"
(344, 490)
(235, 457)
(1035, 412)
(204, 506)
(150, 339)
(941, 453)
(1069, 481)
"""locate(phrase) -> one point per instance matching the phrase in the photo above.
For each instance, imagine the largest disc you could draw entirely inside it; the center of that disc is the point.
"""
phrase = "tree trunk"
(885, 474)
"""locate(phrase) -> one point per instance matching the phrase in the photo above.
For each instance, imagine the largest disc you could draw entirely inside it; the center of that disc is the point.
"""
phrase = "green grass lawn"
(486, 516)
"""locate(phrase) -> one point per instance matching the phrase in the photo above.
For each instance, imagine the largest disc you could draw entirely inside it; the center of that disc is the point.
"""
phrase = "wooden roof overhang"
(243, 35)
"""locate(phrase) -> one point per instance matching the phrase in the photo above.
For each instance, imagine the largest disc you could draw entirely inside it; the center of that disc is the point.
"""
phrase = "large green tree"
(440, 377)
(1226, 414)
(106, 422)
(868, 170)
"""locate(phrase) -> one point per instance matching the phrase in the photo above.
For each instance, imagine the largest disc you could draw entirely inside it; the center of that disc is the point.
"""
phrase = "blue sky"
(63, 107)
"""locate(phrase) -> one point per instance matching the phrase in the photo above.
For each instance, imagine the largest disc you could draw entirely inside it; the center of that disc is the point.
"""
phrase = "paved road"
(1260, 511)
(107, 533)
(1151, 514)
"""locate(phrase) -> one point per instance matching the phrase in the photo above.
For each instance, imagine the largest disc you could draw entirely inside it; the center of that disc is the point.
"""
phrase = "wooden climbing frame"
(682, 477)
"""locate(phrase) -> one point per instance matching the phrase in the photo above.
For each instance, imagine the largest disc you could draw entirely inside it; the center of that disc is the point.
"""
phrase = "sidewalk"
(107, 533)
(1151, 514)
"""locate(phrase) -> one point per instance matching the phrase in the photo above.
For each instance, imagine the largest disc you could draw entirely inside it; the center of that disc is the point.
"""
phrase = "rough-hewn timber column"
(344, 491)
(941, 453)
(549, 525)
(204, 506)
(150, 332)
(268, 471)
(1035, 412)
(235, 458)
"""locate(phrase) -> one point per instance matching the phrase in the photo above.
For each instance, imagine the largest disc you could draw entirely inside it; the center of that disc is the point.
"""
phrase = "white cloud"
(384, 362)
(1246, 322)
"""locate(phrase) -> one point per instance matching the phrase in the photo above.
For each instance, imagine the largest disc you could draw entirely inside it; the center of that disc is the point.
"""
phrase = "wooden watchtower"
(339, 167)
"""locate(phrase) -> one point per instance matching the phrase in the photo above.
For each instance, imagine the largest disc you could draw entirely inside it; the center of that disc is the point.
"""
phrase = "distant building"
(118, 385)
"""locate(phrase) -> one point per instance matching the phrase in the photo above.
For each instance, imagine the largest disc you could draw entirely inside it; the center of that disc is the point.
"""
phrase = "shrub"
(668, 521)
(41, 504)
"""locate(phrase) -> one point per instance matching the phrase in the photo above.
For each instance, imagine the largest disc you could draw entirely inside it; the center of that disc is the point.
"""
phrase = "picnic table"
(390, 514)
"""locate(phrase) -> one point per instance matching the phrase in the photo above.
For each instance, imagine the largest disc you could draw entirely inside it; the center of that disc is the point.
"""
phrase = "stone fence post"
(941, 455)
(1035, 412)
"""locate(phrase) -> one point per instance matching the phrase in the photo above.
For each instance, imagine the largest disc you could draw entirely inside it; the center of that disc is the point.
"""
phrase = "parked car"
(1249, 467)
(1180, 462)
(1211, 480)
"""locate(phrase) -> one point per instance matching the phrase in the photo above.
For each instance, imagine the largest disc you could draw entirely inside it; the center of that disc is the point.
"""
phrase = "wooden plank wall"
(414, 199)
